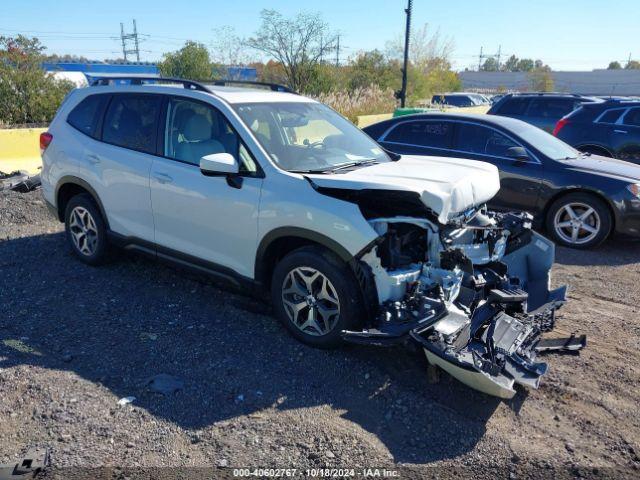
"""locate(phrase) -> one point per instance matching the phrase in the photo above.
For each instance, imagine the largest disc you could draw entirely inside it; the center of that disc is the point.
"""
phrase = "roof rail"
(138, 80)
(274, 87)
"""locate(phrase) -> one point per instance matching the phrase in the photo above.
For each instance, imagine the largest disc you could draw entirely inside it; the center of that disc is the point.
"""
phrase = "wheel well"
(65, 193)
(597, 149)
(579, 190)
(71, 188)
(275, 252)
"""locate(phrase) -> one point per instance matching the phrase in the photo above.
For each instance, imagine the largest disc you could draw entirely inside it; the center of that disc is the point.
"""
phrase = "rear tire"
(86, 230)
(316, 296)
(596, 151)
(579, 220)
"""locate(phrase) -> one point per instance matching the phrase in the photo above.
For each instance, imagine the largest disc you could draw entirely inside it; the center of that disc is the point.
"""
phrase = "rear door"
(520, 181)
(625, 136)
(544, 112)
(121, 162)
(211, 220)
(419, 137)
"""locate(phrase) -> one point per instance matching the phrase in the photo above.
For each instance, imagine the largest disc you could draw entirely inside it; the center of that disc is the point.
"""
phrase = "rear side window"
(131, 121)
(478, 139)
(610, 116)
(551, 107)
(514, 106)
(424, 134)
(86, 115)
(632, 118)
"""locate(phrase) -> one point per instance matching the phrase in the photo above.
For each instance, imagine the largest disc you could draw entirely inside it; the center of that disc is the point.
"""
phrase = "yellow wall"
(20, 149)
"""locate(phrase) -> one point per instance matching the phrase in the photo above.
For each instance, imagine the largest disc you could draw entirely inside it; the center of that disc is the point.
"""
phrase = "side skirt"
(196, 265)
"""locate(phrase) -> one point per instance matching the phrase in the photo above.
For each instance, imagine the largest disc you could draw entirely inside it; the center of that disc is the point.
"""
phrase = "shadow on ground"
(122, 323)
(616, 251)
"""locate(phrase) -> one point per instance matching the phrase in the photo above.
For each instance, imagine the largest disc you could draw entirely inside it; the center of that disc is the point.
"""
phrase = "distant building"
(93, 71)
(596, 82)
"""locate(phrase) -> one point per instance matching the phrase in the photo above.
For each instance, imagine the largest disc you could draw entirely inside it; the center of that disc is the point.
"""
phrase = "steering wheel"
(317, 144)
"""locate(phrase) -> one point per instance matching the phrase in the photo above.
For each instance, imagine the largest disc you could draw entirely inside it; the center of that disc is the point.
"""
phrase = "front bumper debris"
(481, 321)
(19, 181)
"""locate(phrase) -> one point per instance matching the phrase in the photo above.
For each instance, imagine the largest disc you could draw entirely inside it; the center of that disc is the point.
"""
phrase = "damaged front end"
(473, 293)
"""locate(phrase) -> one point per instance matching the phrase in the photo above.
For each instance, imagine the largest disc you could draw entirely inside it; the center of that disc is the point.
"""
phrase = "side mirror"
(518, 153)
(217, 164)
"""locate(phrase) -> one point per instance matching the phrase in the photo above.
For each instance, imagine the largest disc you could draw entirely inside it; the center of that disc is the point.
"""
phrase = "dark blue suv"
(610, 129)
(540, 109)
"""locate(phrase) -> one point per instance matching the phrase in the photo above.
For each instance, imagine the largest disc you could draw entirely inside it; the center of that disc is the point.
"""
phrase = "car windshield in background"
(549, 145)
(309, 137)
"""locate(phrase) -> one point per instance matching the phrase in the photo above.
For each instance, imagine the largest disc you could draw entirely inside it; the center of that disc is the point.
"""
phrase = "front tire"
(86, 230)
(316, 296)
(579, 220)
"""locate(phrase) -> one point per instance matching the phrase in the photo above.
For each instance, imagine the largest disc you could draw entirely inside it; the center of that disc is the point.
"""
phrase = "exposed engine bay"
(473, 293)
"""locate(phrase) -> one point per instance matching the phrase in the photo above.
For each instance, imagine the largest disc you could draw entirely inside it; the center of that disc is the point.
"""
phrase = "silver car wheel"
(84, 232)
(311, 301)
(577, 223)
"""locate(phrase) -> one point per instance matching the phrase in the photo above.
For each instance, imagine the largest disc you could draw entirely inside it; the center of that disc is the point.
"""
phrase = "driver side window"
(478, 139)
(194, 129)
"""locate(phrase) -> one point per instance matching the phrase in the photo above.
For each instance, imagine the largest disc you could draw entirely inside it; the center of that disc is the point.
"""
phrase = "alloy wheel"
(310, 301)
(577, 223)
(84, 232)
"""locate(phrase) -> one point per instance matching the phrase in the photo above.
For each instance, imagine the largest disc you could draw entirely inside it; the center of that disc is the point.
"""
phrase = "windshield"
(546, 143)
(309, 137)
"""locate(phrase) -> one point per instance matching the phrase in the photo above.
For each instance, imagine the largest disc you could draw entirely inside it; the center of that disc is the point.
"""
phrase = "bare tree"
(228, 48)
(426, 50)
(299, 44)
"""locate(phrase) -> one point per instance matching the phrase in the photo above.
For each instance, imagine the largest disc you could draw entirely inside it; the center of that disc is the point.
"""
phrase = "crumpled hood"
(448, 186)
(607, 167)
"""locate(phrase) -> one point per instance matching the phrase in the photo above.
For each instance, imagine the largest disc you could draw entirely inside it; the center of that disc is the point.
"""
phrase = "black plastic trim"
(296, 232)
(81, 183)
(183, 260)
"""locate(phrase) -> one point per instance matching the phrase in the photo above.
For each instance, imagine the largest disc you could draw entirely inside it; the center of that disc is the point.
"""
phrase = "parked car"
(458, 99)
(540, 109)
(609, 129)
(278, 193)
(580, 198)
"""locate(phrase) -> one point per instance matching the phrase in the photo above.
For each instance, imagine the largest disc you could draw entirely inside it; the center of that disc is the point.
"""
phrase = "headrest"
(197, 128)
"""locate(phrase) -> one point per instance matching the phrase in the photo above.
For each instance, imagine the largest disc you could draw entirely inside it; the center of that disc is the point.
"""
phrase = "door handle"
(162, 177)
(621, 131)
(93, 159)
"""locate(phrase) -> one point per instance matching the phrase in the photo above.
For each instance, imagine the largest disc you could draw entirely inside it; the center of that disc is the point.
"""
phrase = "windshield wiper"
(342, 166)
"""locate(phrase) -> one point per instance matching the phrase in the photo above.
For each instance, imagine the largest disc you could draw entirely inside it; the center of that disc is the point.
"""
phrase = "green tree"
(490, 65)
(192, 61)
(27, 93)
(511, 65)
(299, 44)
(373, 68)
(614, 66)
(525, 65)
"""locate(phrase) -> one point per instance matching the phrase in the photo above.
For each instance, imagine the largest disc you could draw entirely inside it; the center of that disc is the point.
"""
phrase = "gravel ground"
(74, 340)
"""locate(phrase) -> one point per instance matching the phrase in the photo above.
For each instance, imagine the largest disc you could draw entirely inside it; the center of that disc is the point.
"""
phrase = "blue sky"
(566, 34)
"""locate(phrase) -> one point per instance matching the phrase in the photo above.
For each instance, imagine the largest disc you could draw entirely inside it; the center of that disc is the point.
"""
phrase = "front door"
(210, 219)
(520, 181)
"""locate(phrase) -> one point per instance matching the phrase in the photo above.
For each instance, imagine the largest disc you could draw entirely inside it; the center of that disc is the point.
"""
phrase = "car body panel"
(446, 186)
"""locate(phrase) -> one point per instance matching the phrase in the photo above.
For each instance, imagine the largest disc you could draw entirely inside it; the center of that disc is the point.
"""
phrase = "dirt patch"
(74, 340)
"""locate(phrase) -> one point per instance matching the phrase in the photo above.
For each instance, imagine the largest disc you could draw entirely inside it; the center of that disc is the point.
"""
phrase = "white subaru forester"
(279, 193)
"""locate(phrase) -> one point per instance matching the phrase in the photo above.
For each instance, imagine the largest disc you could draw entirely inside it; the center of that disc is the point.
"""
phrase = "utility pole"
(480, 60)
(338, 51)
(407, 35)
(126, 37)
(498, 56)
